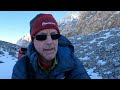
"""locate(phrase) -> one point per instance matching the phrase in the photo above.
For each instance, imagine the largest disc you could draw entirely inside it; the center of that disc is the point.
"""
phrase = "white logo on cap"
(45, 23)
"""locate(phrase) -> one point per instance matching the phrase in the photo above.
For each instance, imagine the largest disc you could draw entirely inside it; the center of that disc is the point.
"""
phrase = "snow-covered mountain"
(69, 23)
(71, 15)
(12, 49)
(84, 22)
(100, 52)
(8, 57)
(24, 41)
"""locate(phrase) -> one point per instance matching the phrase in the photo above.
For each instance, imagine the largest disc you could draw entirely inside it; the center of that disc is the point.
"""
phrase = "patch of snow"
(101, 62)
(92, 74)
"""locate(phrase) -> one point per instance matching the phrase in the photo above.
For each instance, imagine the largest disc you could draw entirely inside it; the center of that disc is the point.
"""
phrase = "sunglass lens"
(41, 37)
(56, 36)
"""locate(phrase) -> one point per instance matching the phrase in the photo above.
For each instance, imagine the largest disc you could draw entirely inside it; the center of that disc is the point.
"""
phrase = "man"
(22, 52)
(51, 55)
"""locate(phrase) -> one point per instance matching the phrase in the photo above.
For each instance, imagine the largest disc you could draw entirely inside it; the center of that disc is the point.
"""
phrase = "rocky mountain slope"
(90, 21)
(11, 49)
(100, 51)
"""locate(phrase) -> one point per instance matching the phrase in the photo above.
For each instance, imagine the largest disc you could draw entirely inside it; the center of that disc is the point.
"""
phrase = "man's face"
(46, 48)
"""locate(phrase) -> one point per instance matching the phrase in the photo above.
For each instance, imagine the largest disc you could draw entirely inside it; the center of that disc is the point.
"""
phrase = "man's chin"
(50, 58)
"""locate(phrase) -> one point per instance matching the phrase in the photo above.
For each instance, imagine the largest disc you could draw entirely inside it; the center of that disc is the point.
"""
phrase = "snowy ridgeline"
(99, 52)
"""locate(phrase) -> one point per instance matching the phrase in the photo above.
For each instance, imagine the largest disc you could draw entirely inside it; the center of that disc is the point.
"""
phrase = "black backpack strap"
(29, 69)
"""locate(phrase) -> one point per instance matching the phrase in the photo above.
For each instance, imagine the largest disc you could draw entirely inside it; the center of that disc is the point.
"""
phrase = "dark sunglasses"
(44, 37)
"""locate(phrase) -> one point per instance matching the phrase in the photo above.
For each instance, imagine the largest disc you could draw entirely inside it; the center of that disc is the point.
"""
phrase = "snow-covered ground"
(92, 74)
(7, 65)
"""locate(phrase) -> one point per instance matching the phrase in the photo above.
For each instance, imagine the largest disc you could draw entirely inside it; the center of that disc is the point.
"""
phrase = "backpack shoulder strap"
(29, 69)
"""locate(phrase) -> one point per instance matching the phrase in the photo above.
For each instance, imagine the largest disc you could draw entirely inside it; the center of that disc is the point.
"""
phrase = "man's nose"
(49, 39)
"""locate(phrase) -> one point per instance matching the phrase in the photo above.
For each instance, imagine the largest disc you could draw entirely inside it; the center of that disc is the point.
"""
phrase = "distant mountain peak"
(26, 37)
(24, 41)
(69, 17)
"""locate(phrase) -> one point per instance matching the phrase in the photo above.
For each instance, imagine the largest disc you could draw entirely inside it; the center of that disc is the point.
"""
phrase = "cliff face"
(85, 22)
(90, 21)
